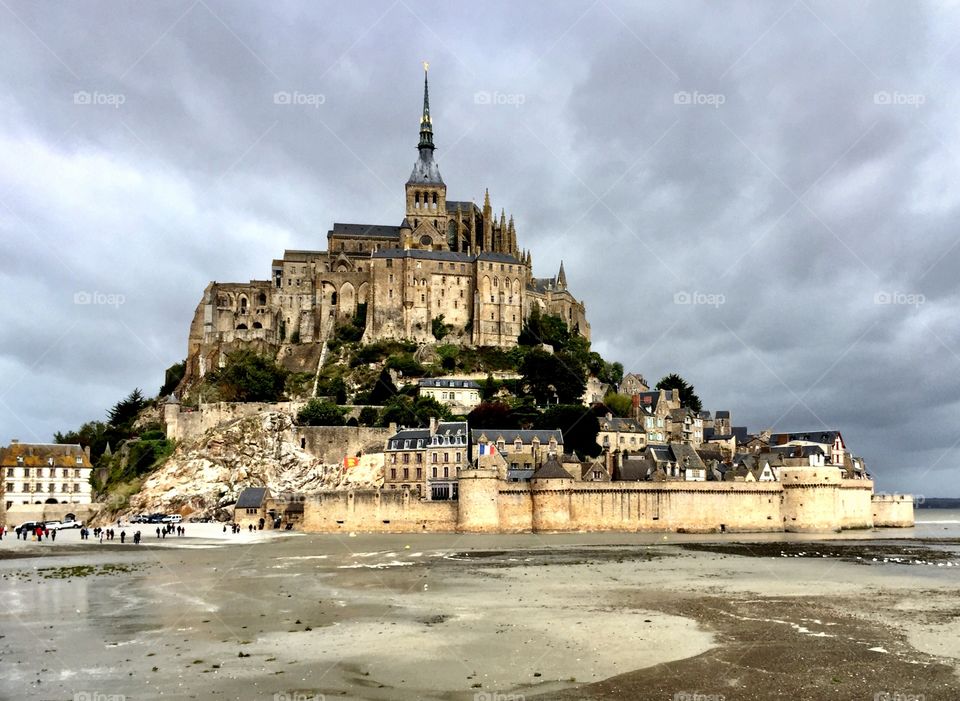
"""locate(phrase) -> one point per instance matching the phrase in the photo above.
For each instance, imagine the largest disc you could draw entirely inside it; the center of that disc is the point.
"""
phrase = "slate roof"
(685, 456)
(365, 230)
(618, 423)
(425, 255)
(722, 414)
(740, 433)
(510, 435)
(451, 384)
(39, 455)
(635, 469)
(425, 170)
(551, 469)
(810, 436)
(465, 205)
(252, 498)
(649, 399)
(418, 437)
(498, 257)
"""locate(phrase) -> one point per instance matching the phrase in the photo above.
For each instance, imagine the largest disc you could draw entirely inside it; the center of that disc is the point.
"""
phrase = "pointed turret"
(501, 242)
(561, 278)
(511, 237)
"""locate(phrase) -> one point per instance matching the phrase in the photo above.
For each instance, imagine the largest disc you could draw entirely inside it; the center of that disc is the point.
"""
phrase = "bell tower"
(426, 191)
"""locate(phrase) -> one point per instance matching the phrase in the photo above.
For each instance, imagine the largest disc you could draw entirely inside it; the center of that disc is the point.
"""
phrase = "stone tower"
(426, 192)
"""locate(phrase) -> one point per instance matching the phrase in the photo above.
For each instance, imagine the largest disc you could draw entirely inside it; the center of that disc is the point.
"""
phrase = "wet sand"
(594, 616)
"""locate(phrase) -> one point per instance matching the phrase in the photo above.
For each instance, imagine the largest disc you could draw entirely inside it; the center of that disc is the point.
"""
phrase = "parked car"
(200, 519)
(70, 524)
(175, 518)
(28, 526)
(156, 518)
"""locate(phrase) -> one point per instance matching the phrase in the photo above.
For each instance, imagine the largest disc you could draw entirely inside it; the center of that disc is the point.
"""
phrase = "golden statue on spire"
(426, 66)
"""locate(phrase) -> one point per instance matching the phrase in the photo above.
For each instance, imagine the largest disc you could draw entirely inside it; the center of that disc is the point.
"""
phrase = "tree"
(319, 412)
(124, 412)
(688, 397)
(553, 378)
(618, 404)
(492, 415)
(172, 377)
(407, 411)
(578, 424)
(439, 328)
(368, 416)
(383, 389)
(249, 377)
(544, 328)
(489, 388)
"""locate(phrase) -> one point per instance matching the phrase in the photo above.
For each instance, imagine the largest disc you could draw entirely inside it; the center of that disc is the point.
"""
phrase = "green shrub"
(319, 412)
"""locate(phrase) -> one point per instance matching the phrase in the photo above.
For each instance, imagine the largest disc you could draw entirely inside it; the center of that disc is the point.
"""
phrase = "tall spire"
(425, 170)
(426, 126)
(562, 278)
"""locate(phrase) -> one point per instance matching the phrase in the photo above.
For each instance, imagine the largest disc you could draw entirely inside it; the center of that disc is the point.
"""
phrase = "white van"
(176, 518)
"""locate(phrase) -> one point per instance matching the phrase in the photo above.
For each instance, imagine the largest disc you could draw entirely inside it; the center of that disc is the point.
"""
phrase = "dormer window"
(50, 461)
(19, 460)
(79, 460)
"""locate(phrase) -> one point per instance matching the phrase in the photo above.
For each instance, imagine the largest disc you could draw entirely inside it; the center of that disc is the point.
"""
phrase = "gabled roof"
(40, 454)
(686, 456)
(617, 423)
(451, 428)
(418, 437)
(510, 435)
(634, 469)
(551, 469)
(721, 414)
(464, 205)
(252, 497)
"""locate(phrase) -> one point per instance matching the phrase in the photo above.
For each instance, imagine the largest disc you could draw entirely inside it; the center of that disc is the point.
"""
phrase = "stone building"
(426, 461)
(46, 473)
(624, 434)
(449, 259)
(523, 450)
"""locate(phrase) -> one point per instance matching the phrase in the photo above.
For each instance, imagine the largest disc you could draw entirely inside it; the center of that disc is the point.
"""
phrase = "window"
(458, 456)
(406, 473)
(10, 473)
(66, 472)
(76, 488)
(434, 473)
(419, 473)
(26, 470)
(393, 473)
(10, 487)
(435, 458)
(65, 487)
(406, 458)
(51, 487)
(419, 458)
(446, 471)
(446, 457)
(80, 460)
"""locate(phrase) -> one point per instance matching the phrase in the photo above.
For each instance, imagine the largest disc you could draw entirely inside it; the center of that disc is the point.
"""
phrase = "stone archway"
(348, 300)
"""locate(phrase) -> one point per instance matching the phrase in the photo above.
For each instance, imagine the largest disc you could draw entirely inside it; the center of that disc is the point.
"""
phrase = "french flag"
(488, 449)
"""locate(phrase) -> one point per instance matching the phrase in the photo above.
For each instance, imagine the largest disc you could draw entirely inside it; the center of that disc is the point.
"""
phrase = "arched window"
(257, 325)
(262, 299)
(333, 299)
(243, 304)
(426, 241)
(241, 327)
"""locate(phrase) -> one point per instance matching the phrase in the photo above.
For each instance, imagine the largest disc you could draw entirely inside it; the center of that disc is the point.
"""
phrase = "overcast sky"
(762, 197)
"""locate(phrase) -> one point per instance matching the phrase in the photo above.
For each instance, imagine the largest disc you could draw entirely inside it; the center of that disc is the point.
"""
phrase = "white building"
(45, 473)
(460, 395)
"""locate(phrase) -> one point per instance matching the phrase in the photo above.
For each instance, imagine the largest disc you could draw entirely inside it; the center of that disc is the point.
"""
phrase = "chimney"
(86, 451)
(14, 441)
(433, 425)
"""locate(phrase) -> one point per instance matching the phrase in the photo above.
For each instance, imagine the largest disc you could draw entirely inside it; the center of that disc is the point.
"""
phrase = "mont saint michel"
(656, 402)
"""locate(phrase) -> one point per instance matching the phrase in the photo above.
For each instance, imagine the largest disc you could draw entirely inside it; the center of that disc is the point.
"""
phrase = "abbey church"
(448, 260)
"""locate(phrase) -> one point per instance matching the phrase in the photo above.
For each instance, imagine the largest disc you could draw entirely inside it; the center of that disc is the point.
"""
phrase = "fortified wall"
(807, 500)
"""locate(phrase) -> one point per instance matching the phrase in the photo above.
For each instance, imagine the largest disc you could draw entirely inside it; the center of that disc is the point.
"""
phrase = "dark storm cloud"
(791, 169)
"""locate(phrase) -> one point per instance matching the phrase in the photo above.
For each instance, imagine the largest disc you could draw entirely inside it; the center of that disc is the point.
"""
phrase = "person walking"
(158, 531)
(123, 536)
(53, 534)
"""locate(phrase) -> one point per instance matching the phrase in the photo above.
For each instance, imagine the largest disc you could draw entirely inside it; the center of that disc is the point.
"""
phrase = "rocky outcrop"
(205, 477)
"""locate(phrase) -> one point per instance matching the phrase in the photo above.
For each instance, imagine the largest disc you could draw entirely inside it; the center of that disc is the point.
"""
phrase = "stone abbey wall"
(809, 500)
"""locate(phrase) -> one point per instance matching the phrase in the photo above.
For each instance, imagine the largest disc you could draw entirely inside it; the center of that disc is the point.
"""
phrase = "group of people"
(38, 532)
(171, 529)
